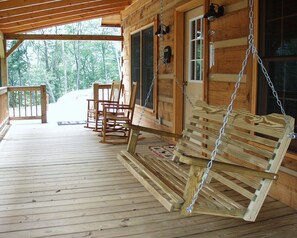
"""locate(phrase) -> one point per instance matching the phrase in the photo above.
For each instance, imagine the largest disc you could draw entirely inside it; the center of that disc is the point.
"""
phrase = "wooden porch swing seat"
(246, 164)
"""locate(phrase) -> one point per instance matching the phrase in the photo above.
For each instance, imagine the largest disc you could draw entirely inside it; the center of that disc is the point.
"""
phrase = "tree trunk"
(47, 69)
(103, 63)
(118, 59)
(65, 68)
(77, 61)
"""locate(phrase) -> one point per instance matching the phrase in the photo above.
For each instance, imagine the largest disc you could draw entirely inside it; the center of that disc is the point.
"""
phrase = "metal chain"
(149, 93)
(221, 133)
(292, 135)
(251, 48)
(183, 89)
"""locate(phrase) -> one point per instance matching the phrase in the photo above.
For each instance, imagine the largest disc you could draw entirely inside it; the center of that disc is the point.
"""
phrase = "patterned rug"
(165, 151)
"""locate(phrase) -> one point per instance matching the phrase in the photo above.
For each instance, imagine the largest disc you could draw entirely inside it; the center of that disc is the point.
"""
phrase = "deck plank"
(61, 182)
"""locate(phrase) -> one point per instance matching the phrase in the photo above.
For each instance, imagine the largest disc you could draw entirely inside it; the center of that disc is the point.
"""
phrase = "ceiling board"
(27, 15)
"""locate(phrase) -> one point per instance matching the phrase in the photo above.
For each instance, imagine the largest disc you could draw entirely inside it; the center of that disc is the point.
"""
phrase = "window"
(196, 50)
(278, 48)
(142, 64)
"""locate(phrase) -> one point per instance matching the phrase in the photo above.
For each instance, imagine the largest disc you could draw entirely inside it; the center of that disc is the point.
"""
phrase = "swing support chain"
(251, 49)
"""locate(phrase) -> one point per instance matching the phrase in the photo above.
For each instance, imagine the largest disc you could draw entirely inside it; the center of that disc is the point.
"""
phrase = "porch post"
(3, 61)
(43, 104)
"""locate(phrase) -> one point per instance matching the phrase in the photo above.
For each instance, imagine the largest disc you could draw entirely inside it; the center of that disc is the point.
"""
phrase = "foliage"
(65, 66)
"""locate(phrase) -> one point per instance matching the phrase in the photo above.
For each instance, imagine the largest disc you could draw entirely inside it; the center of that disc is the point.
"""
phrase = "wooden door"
(193, 63)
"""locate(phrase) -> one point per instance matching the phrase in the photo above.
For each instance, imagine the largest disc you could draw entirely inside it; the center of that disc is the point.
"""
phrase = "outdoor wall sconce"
(162, 30)
(212, 14)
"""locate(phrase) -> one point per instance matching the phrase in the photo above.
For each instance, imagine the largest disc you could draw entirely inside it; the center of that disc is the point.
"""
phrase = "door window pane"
(196, 46)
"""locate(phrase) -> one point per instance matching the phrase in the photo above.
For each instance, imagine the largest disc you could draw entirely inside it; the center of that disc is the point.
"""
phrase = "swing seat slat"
(244, 169)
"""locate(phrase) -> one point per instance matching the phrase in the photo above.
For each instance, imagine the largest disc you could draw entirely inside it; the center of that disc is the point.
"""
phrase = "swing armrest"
(221, 166)
(152, 131)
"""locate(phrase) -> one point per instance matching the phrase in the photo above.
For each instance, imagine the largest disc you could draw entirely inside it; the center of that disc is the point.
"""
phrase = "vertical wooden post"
(178, 109)
(4, 74)
(3, 61)
(133, 141)
(43, 104)
(195, 176)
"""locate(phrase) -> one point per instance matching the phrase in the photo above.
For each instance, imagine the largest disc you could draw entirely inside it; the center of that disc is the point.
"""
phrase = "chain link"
(292, 135)
(251, 48)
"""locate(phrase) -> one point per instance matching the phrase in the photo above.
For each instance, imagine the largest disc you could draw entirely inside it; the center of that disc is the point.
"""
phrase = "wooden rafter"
(2, 48)
(57, 13)
(61, 18)
(58, 22)
(28, 15)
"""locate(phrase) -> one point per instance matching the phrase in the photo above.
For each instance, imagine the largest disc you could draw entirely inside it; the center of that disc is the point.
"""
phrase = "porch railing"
(27, 103)
(4, 116)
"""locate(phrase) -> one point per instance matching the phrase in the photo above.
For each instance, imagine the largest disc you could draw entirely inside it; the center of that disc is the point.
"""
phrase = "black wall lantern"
(162, 30)
(212, 13)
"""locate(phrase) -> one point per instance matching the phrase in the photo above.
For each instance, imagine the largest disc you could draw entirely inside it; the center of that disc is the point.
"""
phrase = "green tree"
(66, 65)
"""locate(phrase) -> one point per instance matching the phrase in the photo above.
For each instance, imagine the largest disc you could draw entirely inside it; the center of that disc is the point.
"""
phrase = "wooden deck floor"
(58, 181)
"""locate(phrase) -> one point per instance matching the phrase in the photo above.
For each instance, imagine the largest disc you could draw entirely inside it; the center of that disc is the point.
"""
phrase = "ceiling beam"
(62, 37)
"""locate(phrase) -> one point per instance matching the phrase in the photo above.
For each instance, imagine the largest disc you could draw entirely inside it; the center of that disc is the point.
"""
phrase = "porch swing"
(225, 161)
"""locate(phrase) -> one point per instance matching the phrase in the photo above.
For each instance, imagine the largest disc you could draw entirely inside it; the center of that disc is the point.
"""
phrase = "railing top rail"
(23, 88)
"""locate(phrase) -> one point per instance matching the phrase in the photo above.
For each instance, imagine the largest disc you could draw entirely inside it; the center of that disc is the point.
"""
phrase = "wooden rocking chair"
(246, 164)
(107, 93)
(115, 116)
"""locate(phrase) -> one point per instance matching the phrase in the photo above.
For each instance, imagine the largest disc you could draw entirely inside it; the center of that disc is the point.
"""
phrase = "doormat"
(66, 123)
(165, 151)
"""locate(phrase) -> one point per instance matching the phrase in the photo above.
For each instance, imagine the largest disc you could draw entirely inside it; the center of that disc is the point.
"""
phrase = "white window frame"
(197, 58)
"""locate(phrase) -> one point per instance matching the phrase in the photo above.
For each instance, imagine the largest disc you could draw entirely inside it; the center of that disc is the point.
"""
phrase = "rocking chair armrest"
(99, 101)
(110, 103)
(153, 131)
(221, 166)
(90, 100)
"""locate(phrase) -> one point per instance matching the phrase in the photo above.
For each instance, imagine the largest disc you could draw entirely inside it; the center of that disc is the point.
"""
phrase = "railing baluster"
(36, 103)
(19, 99)
(31, 103)
(25, 101)
(13, 103)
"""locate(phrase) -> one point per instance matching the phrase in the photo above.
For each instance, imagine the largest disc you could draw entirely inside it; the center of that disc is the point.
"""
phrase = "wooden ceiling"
(18, 16)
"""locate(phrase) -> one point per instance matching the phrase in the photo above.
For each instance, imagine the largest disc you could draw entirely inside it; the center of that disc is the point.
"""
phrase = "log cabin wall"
(231, 33)
(230, 42)
(139, 15)
(229, 37)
